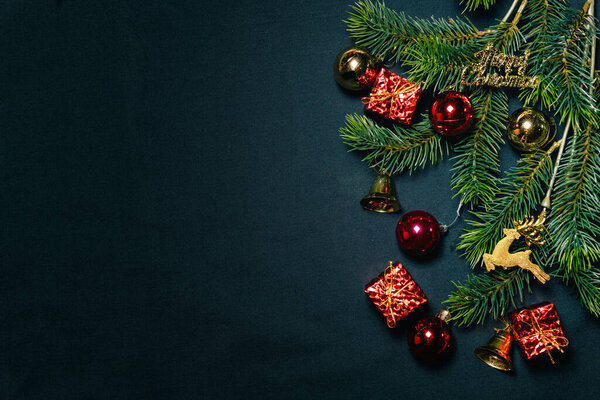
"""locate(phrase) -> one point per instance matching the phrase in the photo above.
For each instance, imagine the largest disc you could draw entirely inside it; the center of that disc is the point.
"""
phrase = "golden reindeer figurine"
(531, 230)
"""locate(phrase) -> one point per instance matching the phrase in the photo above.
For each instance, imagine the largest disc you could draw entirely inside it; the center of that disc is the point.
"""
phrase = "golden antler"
(531, 229)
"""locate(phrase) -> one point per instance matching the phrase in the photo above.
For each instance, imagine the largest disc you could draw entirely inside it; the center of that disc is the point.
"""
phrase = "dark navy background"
(179, 218)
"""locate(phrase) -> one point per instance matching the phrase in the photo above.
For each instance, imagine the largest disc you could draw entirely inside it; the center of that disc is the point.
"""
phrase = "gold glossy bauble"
(355, 68)
(529, 129)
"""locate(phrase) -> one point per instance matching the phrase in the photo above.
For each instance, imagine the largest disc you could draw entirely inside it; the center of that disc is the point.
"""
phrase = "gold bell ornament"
(382, 196)
(496, 352)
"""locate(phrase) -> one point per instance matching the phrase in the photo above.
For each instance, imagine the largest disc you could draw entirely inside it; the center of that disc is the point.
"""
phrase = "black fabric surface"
(180, 219)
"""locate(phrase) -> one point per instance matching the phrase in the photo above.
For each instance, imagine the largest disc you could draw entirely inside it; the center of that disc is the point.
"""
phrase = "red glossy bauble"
(418, 233)
(430, 340)
(451, 113)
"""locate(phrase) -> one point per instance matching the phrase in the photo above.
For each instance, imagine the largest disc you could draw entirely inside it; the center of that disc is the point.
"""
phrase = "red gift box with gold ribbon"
(537, 330)
(393, 97)
(395, 293)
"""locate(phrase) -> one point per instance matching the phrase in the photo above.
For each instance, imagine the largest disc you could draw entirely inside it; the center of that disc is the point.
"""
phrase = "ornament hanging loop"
(443, 227)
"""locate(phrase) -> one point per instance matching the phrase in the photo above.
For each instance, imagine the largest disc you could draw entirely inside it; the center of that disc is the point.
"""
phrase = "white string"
(446, 227)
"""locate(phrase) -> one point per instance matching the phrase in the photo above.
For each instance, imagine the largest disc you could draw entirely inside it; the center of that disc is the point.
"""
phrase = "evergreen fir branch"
(437, 64)
(521, 192)
(390, 34)
(476, 168)
(474, 4)
(540, 17)
(434, 51)
(587, 285)
(574, 226)
(487, 294)
(563, 65)
(507, 36)
(402, 148)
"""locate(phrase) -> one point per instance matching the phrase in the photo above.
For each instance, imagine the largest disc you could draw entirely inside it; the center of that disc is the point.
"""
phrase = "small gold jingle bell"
(530, 129)
(496, 352)
(382, 196)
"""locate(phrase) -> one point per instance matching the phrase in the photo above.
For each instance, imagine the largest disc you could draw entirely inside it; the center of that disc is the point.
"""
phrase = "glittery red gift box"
(393, 97)
(395, 293)
(537, 330)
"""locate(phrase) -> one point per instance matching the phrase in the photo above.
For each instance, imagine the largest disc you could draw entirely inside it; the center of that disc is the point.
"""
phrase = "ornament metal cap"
(444, 315)
(495, 352)
(382, 196)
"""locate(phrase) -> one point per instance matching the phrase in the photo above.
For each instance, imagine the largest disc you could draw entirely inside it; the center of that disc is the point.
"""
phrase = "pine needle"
(471, 5)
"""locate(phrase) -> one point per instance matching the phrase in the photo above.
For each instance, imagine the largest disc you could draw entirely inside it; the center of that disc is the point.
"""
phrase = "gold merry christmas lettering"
(514, 70)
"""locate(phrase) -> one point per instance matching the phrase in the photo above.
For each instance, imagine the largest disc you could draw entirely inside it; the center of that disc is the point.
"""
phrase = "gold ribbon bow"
(388, 279)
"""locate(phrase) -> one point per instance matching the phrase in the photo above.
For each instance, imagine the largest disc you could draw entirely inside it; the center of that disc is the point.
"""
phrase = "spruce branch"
(577, 204)
(520, 193)
(487, 294)
(587, 286)
(506, 35)
(436, 63)
(391, 151)
(541, 17)
(390, 34)
(434, 51)
(476, 168)
(574, 226)
(439, 63)
(562, 59)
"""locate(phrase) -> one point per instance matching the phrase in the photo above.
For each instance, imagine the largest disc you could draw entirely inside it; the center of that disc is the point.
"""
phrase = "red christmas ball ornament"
(451, 113)
(430, 340)
(418, 233)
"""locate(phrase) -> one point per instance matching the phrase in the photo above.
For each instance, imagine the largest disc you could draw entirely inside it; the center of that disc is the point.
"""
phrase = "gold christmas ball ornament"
(529, 129)
(355, 68)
